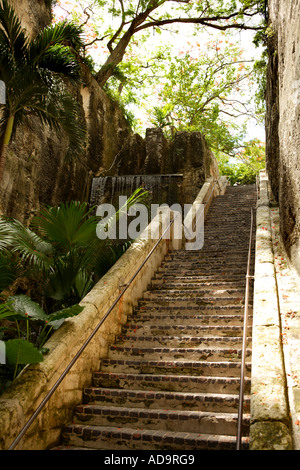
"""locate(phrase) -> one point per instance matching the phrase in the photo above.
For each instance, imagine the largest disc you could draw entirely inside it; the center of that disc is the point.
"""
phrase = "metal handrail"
(88, 340)
(245, 328)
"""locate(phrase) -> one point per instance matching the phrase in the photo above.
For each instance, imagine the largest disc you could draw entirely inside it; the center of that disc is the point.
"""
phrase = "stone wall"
(283, 119)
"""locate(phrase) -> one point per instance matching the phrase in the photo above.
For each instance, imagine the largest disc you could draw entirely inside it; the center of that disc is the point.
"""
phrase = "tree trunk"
(114, 59)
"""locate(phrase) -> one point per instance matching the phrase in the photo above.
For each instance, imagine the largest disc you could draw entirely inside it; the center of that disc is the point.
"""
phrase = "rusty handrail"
(244, 346)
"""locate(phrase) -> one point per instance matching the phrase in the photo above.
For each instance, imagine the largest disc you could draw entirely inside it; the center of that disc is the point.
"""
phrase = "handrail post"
(244, 345)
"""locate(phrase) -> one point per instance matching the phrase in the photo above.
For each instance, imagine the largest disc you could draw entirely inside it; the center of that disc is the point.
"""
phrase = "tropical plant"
(33, 71)
(60, 253)
(32, 328)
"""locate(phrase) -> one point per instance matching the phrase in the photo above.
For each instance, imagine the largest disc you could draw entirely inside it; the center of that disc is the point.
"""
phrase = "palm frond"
(34, 251)
(69, 224)
(8, 270)
(13, 37)
(60, 60)
(64, 33)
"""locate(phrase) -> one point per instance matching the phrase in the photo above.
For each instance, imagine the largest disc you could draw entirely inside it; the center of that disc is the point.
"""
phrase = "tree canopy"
(115, 22)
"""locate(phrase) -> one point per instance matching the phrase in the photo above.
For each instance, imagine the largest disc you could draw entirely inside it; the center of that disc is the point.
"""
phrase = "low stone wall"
(20, 401)
(270, 422)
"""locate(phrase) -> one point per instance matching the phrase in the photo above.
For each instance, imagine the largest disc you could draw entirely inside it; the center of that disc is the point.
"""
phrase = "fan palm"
(33, 71)
(61, 250)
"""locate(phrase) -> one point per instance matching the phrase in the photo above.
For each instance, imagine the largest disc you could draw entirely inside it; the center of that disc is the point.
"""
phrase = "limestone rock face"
(283, 119)
(36, 170)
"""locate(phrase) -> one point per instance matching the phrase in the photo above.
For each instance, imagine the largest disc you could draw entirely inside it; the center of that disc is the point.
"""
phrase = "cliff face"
(283, 119)
(36, 171)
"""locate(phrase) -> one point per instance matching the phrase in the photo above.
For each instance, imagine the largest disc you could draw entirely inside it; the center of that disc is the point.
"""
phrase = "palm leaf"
(13, 38)
(64, 33)
(33, 249)
(69, 224)
(8, 271)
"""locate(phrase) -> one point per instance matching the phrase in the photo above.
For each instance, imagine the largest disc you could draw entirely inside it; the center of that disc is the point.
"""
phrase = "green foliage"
(20, 351)
(33, 71)
(203, 90)
(61, 258)
(27, 347)
(246, 166)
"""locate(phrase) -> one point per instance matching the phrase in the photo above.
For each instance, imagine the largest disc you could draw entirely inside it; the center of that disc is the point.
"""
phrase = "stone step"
(161, 284)
(170, 330)
(138, 341)
(179, 383)
(192, 310)
(193, 303)
(225, 317)
(203, 292)
(174, 367)
(153, 399)
(176, 364)
(203, 353)
(214, 277)
(206, 422)
(112, 438)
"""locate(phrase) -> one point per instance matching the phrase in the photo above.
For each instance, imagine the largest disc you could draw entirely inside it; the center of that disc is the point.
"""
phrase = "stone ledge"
(270, 435)
(269, 421)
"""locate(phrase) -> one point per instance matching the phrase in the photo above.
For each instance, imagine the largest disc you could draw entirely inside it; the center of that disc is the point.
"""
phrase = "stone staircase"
(171, 380)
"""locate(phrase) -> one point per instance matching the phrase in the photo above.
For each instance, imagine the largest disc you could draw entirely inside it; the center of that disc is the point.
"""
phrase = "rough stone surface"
(270, 435)
(270, 418)
(283, 119)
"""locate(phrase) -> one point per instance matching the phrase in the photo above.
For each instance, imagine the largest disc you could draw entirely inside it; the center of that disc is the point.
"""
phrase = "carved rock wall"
(283, 119)
(36, 171)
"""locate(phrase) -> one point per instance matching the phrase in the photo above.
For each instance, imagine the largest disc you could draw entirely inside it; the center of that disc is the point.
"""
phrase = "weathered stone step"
(153, 399)
(112, 438)
(161, 284)
(179, 383)
(230, 317)
(218, 354)
(178, 341)
(220, 276)
(160, 419)
(203, 269)
(197, 291)
(174, 367)
(186, 330)
(196, 302)
(192, 310)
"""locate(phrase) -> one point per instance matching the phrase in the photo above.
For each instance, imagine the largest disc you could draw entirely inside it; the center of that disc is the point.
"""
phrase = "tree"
(204, 90)
(244, 170)
(33, 73)
(135, 16)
